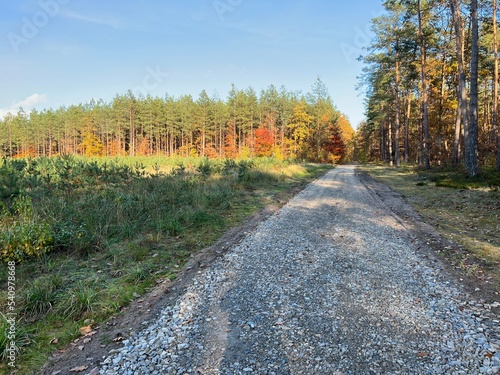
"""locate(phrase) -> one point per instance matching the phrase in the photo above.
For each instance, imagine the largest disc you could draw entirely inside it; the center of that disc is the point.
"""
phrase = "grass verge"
(113, 231)
(464, 210)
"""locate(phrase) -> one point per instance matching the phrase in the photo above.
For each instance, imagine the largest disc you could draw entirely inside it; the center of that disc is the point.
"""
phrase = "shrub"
(204, 168)
(24, 239)
(39, 298)
(79, 302)
(230, 167)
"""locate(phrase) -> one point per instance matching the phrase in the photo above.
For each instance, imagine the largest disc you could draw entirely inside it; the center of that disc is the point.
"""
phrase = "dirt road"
(333, 283)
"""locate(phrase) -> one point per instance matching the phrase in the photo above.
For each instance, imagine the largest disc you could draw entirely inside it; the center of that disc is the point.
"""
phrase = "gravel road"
(333, 283)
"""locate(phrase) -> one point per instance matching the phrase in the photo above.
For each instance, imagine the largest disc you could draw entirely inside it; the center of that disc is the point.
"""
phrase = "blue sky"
(63, 52)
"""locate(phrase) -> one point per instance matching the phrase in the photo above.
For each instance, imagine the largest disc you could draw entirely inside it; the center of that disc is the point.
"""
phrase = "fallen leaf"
(86, 330)
(79, 368)
(423, 354)
(54, 341)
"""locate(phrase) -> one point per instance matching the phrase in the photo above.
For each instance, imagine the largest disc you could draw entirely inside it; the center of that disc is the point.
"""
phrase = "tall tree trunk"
(496, 130)
(471, 146)
(397, 154)
(456, 141)
(10, 137)
(382, 143)
(390, 143)
(132, 133)
(441, 125)
(425, 98)
(461, 123)
(407, 127)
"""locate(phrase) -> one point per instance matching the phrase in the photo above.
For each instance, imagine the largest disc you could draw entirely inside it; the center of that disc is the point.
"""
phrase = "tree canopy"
(276, 122)
(431, 83)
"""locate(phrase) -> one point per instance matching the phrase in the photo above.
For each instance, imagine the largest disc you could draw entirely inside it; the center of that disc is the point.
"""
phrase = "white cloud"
(32, 100)
(27, 104)
(98, 21)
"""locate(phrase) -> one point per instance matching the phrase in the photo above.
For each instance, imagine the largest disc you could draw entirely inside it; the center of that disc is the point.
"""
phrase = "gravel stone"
(333, 283)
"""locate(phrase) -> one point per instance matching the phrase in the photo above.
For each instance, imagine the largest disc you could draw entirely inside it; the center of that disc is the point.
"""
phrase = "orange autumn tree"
(114, 148)
(231, 139)
(144, 148)
(263, 142)
(335, 146)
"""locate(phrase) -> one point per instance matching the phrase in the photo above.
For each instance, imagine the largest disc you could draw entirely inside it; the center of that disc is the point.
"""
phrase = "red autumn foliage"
(263, 142)
(335, 146)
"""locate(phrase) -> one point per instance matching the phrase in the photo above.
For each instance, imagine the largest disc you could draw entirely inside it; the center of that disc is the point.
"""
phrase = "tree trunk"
(461, 123)
(390, 143)
(441, 125)
(397, 154)
(382, 143)
(425, 99)
(496, 130)
(471, 146)
(407, 127)
(132, 133)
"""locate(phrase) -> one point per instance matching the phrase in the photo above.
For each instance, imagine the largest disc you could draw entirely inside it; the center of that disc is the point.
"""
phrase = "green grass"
(114, 227)
(464, 210)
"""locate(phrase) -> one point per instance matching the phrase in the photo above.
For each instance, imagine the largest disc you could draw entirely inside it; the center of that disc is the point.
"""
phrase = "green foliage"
(22, 234)
(138, 274)
(83, 205)
(205, 167)
(10, 178)
(179, 170)
(78, 302)
(230, 167)
(22, 338)
(244, 167)
(40, 297)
